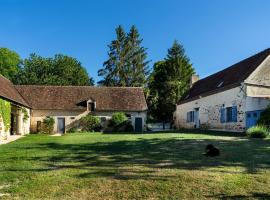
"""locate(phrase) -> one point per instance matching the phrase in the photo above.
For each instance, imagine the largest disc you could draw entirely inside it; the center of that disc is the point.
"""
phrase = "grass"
(140, 166)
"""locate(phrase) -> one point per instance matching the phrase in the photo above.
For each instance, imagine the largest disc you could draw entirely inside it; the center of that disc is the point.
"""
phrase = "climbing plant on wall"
(5, 112)
(25, 114)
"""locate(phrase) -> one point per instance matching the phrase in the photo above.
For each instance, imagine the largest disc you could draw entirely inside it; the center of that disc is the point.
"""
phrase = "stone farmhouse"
(231, 99)
(67, 104)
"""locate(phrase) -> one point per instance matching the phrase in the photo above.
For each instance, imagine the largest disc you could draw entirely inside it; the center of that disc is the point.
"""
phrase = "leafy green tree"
(59, 70)
(168, 82)
(126, 65)
(9, 63)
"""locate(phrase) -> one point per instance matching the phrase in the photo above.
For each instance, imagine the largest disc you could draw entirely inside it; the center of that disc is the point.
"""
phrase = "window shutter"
(187, 116)
(222, 115)
(234, 113)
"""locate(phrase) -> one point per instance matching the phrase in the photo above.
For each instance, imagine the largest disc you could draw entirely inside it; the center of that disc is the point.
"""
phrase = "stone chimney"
(193, 79)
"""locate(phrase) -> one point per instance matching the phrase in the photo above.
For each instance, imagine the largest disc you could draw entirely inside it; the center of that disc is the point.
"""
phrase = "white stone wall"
(25, 128)
(22, 126)
(72, 116)
(261, 76)
(209, 110)
(3, 134)
(256, 103)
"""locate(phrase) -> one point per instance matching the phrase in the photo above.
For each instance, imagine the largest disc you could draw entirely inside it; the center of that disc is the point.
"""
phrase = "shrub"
(73, 130)
(118, 118)
(48, 125)
(265, 117)
(258, 131)
(90, 123)
(125, 126)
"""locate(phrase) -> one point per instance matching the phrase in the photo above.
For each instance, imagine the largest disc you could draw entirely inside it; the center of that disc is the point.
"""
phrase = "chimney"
(193, 79)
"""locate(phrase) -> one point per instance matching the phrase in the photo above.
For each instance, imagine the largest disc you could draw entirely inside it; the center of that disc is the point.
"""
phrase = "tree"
(126, 65)
(59, 70)
(138, 63)
(168, 82)
(9, 63)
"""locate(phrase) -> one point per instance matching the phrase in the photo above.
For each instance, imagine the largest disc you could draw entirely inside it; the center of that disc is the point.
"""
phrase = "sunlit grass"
(134, 166)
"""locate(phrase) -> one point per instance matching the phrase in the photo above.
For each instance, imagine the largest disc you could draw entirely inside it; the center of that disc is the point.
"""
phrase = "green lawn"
(140, 166)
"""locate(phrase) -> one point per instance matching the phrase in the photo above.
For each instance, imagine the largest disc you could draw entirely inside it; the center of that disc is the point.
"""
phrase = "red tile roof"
(227, 78)
(8, 92)
(72, 97)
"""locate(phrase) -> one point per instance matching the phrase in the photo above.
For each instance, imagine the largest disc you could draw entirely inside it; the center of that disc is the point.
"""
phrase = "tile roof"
(227, 78)
(72, 97)
(8, 91)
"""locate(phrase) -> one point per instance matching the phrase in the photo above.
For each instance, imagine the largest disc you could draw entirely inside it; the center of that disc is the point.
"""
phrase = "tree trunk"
(163, 125)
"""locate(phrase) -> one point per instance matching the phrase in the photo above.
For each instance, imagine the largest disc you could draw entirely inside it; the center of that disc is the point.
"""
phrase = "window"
(38, 126)
(72, 117)
(190, 116)
(91, 106)
(103, 119)
(128, 116)
(229, 117)
(228, 114)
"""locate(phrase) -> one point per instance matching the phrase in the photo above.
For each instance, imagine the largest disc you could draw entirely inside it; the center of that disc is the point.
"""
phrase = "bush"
(258, 131)
(90, 123)
(265, 117)
(73, 130)
(48, 125)
(126, 126)
(118, 118)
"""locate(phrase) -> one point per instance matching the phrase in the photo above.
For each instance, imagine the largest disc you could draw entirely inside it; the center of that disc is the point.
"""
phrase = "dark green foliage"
(127, 65)
(168, 82)
(48, 125)
(9, 63)
(90, 123)
(73, 130)
(125, 126)
(128, 126)
(258, 131)
(265, 117)
(118, 118)
(59, 70)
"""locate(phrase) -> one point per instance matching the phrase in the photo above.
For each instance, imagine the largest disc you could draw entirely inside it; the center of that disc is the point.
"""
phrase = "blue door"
(252, 117)
(138, 124)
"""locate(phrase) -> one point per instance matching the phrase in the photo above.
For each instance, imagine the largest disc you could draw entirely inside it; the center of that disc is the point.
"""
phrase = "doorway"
(138, 124)
(61, 125)
(197, 118)
(252, 117)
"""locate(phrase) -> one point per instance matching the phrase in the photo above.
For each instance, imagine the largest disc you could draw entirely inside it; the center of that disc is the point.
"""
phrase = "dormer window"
(91, 106)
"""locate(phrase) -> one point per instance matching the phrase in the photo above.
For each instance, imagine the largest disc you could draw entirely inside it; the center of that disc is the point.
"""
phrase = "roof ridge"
(261, 52)
(75, 86)
(230, 76)
(5, 78)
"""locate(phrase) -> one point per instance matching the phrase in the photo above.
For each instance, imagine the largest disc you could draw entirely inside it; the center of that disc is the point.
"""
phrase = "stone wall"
(209, 110)
(73, 116)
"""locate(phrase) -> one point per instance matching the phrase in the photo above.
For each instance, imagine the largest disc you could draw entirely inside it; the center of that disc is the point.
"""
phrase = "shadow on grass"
(146, 156)
(240, 197)
(186, 131)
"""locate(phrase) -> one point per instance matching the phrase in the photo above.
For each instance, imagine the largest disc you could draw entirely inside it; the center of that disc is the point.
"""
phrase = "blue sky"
(215, 33)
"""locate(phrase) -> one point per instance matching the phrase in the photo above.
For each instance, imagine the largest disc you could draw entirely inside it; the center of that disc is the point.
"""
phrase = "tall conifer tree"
(126, 65)
(168, 82)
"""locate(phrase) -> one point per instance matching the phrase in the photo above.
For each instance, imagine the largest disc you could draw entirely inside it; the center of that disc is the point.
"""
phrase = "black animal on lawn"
(211, 151)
